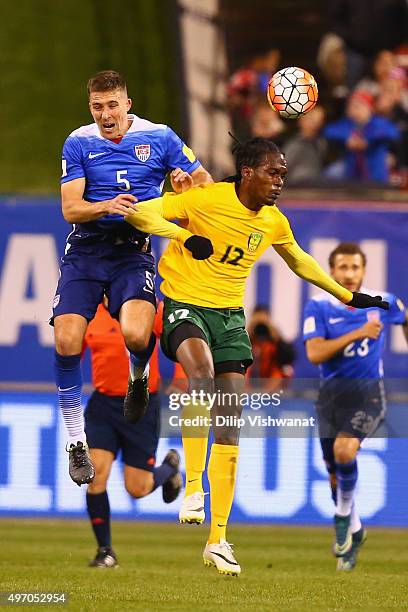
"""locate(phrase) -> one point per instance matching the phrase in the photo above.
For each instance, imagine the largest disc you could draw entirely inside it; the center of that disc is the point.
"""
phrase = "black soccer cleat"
(81, 468)
(105, 557)
(172, 487)
(136, 400)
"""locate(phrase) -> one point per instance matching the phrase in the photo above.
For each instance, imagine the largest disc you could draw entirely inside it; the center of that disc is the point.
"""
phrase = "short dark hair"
(106, 80)
(347, 248)
(251, 153)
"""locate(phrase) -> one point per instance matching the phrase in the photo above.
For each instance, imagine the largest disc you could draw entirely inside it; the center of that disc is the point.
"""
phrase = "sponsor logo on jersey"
(93, 155)
(254, 241)
(373, 315)
(56, 301)
(142, 152)
(334, 320)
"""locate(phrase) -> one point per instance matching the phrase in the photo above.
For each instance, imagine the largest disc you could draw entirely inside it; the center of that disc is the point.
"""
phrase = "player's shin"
(195, 429)
(68, 378)
(222, 470)
(139, 360)
(346, 474)
(99, 515)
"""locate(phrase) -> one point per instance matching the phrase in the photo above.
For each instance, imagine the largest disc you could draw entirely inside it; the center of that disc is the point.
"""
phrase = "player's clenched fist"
(371, 329)
(123, 205)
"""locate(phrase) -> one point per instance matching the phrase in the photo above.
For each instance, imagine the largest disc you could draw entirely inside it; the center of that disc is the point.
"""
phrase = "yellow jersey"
(239, 237)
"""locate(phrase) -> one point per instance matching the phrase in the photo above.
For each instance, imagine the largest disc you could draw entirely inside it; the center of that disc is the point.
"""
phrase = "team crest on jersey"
(142, 152)
(254, 241)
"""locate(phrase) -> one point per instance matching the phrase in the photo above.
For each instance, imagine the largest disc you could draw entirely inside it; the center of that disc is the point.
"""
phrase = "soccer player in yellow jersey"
(230, 225)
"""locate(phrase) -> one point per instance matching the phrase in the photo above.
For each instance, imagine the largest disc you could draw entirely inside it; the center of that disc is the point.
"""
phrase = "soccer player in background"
(108, 432)
(347, 344)
(106, 167)
(204, 323)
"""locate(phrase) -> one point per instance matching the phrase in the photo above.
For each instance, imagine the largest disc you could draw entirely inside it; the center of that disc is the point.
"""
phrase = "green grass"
(284, 568)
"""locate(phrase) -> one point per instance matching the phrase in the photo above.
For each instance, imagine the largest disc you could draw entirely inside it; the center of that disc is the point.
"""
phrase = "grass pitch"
(283, 568)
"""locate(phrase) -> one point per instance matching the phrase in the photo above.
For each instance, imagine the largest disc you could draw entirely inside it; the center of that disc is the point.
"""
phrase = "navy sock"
(346, 474)
(139, 360)
(68, 378)
(161, 474)
(99, 513)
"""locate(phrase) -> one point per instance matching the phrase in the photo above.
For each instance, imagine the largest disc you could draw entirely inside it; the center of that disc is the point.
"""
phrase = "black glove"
(362, 300)
(200, 247)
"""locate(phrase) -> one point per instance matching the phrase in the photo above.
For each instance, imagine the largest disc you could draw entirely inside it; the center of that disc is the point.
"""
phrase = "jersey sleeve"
(178, 154)
(313, 323)
(396, 313)
(181, 205)
(284, 234)
(72, 165)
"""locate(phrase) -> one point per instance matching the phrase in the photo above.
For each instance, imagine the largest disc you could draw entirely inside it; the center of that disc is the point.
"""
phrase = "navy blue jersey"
(138, 164)
(326, 317)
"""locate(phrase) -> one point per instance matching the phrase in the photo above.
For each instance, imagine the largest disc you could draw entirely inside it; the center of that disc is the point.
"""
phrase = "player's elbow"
(68, 213)
(69, 218)
(201, 177)
(314, 357)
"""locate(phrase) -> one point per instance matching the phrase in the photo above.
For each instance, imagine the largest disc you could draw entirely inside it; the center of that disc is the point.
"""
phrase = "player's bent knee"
(69, 334)
(345, 450)
(97, 486)
(136, 341)
(202, 371)
(139, 489)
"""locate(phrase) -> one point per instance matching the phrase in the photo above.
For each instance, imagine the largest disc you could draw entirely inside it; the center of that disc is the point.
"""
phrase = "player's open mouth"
(108, 126)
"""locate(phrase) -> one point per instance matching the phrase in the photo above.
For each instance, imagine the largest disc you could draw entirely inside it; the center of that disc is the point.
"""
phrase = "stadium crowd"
(357, 133)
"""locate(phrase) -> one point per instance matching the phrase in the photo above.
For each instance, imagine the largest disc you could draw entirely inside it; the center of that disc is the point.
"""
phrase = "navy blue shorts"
(107, 428)
(353, 406)
(122, 272)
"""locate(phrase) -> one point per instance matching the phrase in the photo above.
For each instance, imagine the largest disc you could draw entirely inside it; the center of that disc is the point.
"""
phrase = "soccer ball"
(292, 92)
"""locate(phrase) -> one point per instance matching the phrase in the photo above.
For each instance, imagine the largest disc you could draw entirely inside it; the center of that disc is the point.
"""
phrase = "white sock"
(355, 523)
(138, 371)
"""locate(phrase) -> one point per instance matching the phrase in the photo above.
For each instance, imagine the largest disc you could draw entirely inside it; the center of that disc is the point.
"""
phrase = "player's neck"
(245, 198)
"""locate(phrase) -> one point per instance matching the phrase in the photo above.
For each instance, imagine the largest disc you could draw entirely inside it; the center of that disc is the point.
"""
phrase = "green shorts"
(223, 328)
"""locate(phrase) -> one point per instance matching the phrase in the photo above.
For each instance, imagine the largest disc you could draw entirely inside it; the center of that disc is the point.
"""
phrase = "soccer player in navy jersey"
(107, 166)
(347, 344)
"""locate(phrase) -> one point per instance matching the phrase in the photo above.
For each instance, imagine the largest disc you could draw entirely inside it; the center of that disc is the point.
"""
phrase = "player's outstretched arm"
(77, 210)
(303, 264)
(149, 217)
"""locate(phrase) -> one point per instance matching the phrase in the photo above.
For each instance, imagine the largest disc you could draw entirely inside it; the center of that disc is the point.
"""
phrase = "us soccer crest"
(254, 241)
(142, 152)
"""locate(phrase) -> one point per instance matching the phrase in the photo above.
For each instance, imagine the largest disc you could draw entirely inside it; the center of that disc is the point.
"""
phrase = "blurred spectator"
(365, 138)
(266, 122)
(245, 88)
(383, 65)
(305, 152)
(368, 26)
(392, 103)
(331, 59)
(273, 357)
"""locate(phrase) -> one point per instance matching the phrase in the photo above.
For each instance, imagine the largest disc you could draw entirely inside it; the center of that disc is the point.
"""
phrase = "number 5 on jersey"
(120, 179)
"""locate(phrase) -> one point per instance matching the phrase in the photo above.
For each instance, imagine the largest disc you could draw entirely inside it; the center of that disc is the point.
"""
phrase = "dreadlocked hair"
(250, 154)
